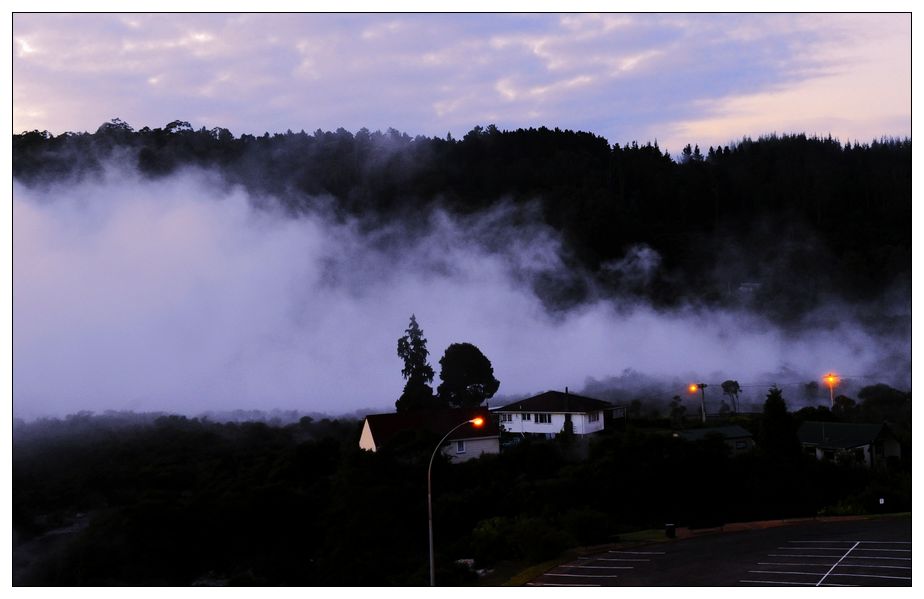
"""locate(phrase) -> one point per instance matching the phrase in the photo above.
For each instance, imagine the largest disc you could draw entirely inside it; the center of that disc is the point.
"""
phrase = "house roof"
(728, 432)
(385, 427)
(839, 435)
(556, 401)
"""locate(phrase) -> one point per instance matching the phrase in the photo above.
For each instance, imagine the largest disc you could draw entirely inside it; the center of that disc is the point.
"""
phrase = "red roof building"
(464, 443)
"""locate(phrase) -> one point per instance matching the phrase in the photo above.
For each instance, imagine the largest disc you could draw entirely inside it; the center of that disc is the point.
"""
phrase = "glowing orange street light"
(477, 422)
(701, 387)
(831, 379)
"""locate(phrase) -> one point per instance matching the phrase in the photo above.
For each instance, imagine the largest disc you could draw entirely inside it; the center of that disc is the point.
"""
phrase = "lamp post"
(701, 387)
(477, 423)
(831, 379)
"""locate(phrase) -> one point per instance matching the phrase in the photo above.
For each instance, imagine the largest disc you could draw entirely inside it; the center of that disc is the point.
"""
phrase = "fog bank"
(179, 295)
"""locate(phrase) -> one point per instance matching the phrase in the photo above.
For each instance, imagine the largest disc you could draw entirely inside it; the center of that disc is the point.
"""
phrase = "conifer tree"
(412, 348)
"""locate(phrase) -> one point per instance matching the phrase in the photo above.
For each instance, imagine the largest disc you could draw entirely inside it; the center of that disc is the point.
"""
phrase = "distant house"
(738, 439)
(547, 413)
(464, 444)
(868, 444)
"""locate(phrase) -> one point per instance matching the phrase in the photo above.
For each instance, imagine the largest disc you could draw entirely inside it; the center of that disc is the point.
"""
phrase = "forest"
(781, 222)
(170, 500)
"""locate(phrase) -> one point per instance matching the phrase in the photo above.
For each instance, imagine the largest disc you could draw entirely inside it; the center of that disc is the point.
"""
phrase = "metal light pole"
(832, 379)
(478, 422)
(702, 401)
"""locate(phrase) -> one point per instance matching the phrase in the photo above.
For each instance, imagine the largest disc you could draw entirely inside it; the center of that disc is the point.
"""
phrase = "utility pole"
(832, 379)
(702, 401)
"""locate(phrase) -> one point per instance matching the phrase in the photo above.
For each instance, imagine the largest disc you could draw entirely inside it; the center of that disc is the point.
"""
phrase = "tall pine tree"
(777, 436)
(412, 348)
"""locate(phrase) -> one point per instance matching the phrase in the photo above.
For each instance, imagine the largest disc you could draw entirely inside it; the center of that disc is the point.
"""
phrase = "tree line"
(801, 216)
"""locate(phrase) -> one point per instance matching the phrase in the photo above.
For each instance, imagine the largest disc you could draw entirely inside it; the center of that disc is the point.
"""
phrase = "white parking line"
(828, 584)
(826, 575)
(906, 559)
(842, 548)
(555, 584)
(583, 575)
(890, 542)
(602, 567)
(617, 559)
(842, 565)
(785, 572)
(872, 576)
(837, 562)
(638, 552)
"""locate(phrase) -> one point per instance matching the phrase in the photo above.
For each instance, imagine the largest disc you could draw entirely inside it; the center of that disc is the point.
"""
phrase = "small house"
(464, 443)
(867, 444)
(738, 439)
(549, 413)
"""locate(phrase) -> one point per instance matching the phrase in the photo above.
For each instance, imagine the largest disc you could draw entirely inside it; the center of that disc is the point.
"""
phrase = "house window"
(506, 417)
(741, 444)
(460, 446)
(593, 417)
(527, 416)
(543, 418)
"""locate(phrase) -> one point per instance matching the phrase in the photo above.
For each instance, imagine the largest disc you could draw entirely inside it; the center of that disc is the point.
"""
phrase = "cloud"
(180, 295)
(679, 78)
(857, 91)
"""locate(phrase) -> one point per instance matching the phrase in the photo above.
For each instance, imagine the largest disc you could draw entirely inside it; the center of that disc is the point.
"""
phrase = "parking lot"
(835, 563)
(597, 570)
(873, 552)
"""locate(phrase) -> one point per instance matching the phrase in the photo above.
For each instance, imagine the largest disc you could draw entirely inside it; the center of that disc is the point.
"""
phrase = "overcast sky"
(675, 78)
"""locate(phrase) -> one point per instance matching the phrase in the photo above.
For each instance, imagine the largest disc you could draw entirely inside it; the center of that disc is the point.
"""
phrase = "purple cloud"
(638, 76)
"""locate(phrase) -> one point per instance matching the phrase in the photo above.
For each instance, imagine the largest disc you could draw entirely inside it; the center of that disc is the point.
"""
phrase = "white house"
(547, 414)
(463, 444)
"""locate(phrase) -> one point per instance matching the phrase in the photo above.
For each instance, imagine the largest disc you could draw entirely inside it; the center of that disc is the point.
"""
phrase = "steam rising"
(181, 295)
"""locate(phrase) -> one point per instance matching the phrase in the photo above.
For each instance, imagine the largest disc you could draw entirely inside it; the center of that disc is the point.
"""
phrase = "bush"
(587, 526)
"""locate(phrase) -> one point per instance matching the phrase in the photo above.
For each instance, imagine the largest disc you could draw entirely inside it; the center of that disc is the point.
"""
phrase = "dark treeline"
(801, 216)
(179, 501)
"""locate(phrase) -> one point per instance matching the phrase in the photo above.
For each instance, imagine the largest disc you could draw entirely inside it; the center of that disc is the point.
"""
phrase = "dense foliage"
(467, 376)
(800, 216)
(178, 501)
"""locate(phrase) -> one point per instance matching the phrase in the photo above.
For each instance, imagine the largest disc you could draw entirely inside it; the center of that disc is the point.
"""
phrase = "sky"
(177, 295)
(704, 79)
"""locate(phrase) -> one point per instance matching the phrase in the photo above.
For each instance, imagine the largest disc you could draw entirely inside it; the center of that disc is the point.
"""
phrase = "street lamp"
(477, 423)
(831, 379)
(701, 387)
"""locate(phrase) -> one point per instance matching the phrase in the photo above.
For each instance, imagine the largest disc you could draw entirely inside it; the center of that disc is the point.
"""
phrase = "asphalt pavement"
(866, 552)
